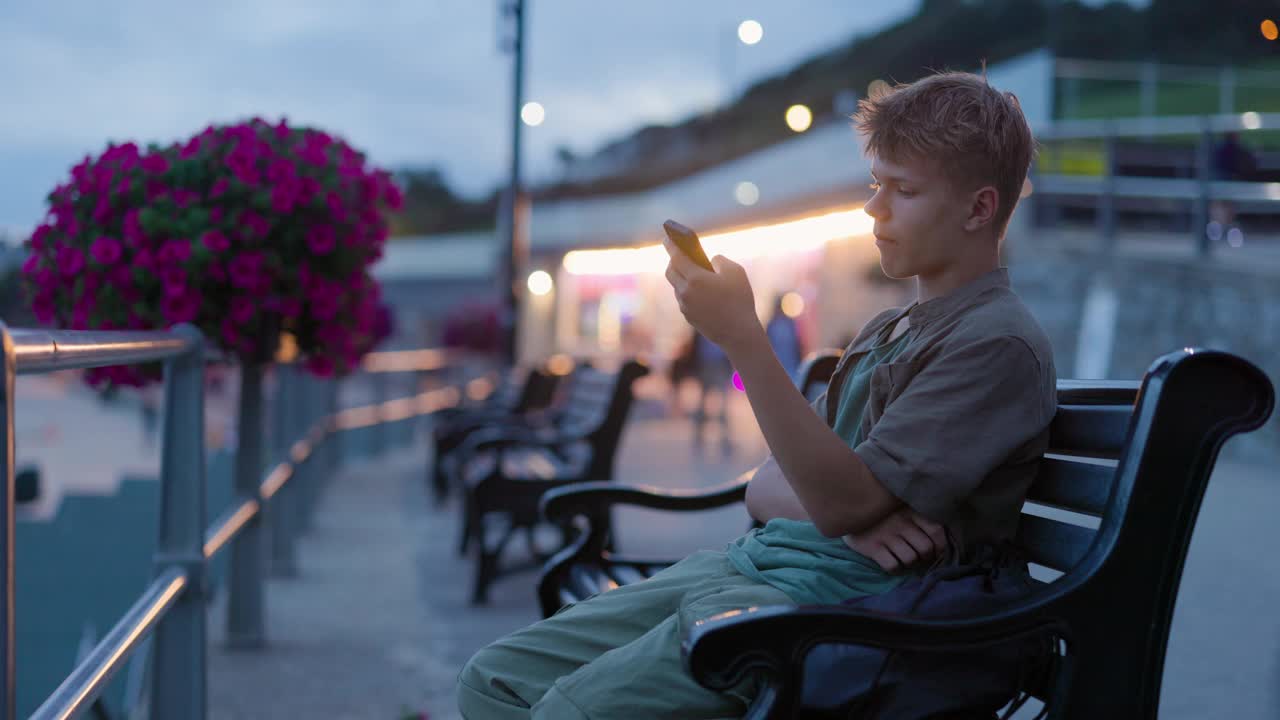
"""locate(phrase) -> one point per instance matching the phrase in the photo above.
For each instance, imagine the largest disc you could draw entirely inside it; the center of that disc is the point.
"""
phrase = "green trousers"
(617, 654)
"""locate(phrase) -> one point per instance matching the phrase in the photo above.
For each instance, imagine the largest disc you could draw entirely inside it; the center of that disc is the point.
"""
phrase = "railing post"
(1107, 200)
(334, 438)
(280, 508)
(178, 670)
(378, 433)
(1227, 90)
(8, 657)
(246, 627)
(1204, 170)
(303, 481)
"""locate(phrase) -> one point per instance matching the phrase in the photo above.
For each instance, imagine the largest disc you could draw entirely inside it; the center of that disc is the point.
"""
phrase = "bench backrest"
(596, 406)
(1111, 513)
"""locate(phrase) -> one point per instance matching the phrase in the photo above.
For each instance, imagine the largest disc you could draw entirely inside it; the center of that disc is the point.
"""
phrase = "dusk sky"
(410, 82)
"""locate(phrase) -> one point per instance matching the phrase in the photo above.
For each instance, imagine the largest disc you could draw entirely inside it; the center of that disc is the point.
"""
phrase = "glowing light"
(560, 364)
(539, 282)
(1269, 29)
(779, 239)
(1251, 120)
(792, 305)
(479, 389)
(737, 382)
(746, 193)
(1235, 237)
(877, 88)
(799, 118)
(750, 32)
(533, 114)
(608, 325)
(287, 351)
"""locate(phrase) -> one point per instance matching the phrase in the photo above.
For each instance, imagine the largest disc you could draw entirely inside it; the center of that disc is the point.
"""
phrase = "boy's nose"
(875, 207)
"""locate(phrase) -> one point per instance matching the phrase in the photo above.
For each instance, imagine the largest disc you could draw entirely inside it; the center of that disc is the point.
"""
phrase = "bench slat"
(1089, 430)
(625, 574)
(1072, 485)
(1052, 543)
(588, 579)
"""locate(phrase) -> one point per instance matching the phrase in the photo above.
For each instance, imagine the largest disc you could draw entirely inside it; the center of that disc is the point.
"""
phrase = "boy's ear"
(982, 208)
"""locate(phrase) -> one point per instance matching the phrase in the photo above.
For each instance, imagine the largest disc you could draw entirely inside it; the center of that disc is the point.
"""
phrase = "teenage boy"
(924, 445)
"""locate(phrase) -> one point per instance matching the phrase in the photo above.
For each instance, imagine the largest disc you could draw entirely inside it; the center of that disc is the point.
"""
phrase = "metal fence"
(1197, 192)
(172, 608)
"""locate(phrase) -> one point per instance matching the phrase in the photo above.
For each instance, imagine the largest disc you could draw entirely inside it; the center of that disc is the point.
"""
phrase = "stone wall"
(1164, 301)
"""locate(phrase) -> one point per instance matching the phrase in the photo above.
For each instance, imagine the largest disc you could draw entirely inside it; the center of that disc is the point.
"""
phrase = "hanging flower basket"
(246, 231)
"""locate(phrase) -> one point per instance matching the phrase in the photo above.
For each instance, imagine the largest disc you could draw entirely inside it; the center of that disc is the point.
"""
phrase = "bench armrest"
(594, 497)
(720, 650)
(505, 436)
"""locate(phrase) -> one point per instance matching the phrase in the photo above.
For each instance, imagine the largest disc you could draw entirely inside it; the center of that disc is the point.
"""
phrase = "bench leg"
(439, 481)
(486, 563)
(470, 525)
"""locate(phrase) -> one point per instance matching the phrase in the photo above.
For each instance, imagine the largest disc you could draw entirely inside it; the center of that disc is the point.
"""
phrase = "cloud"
(408, 81)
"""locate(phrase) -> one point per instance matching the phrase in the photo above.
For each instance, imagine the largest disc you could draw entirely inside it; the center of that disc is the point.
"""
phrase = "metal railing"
(172, 608)
(1199, 191)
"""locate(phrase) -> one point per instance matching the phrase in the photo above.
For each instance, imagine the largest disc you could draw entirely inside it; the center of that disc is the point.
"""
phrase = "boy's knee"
(481, 692)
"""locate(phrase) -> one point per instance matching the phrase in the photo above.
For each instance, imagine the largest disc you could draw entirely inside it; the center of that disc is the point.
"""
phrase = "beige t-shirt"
(955, 426)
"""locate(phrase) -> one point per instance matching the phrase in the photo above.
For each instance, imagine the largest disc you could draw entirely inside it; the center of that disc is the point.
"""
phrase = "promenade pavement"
(378, 622)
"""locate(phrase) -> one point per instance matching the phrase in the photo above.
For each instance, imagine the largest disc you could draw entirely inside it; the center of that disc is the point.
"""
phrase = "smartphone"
(687, 241)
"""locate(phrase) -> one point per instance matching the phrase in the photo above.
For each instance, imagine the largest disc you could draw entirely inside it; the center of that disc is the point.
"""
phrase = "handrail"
(1156, 126)
(78, 691)
(228, 526)
(1164, 188)
(40, 351)
(173, 606)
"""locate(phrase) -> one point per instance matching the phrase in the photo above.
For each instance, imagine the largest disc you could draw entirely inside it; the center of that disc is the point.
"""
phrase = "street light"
(515, 206)
(533, 114)
(799, 118)
(540, 282)
(749, 32)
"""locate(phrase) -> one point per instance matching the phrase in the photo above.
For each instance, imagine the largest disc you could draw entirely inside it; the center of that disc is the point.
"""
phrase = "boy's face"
(919, 218)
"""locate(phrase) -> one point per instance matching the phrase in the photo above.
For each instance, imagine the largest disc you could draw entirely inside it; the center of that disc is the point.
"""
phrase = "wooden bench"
(1128, 464)
(521, 392)
(504, 473)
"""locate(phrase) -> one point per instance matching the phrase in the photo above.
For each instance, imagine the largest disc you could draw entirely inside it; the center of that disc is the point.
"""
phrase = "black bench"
(521, 392)
(504, 473)
(1133, 458)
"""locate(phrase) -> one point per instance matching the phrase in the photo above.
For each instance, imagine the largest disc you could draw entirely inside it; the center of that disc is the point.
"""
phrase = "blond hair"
(975, 134)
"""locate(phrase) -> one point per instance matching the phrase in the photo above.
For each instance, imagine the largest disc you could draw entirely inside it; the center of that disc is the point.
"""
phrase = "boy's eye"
(906, 193)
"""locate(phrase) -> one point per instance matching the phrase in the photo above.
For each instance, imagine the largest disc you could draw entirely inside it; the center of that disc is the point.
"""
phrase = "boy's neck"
(955, 276)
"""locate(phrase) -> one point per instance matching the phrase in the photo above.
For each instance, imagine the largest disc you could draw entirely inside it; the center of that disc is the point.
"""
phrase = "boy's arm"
(901, 540)
(833, 485)
(769, 496)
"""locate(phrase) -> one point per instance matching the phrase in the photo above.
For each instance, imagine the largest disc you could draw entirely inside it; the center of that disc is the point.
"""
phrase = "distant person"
(683, 367)
(784, 337)
(714, 375)
(884, 476)
(1234, 162)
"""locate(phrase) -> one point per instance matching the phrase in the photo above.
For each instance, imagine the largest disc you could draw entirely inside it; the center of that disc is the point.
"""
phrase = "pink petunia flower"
(321, 240)
(70, 261)
(215, 240)
(106, 250)
(155, 164)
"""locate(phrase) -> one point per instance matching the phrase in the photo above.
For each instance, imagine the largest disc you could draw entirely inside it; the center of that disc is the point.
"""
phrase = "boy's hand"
(900, 541)
(719, 304)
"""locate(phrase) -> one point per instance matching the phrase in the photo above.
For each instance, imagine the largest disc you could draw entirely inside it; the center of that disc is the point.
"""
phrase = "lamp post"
(515, 205)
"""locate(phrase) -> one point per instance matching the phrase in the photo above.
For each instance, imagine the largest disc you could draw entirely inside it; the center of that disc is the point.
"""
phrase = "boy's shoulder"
(1001, 314)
